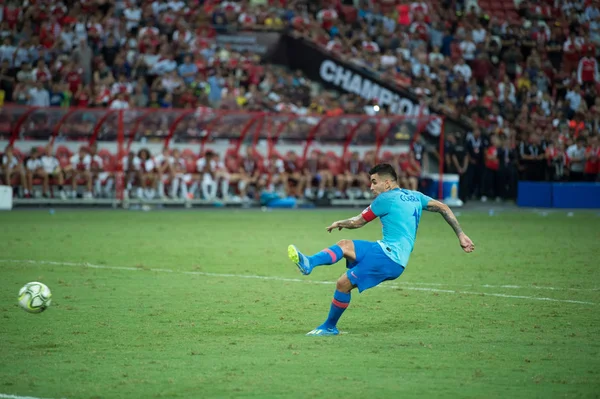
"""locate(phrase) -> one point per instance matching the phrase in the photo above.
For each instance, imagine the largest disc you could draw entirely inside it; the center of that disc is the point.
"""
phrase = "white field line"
(408, 283)
(5, 396)
(405, 286)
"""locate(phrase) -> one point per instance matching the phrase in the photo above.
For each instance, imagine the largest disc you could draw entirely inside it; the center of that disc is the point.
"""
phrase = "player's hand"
(466, 243)
(334, 225)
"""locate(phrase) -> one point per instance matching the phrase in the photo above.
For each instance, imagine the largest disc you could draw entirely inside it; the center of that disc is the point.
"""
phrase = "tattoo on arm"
(353, 223)
(447, 214)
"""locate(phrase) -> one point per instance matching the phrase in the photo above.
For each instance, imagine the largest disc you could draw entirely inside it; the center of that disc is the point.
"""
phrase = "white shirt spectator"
(464, 70)
(418, 68)
(370, 46)
(213, 167)
(404, 53)
(39, 97)
(6, 53)
(511, 93)
(96, 26)
(96, 162)
(148, 165)
(575, 44)
(81, 164)
(135, 165)
(176, 5)
(187, 35)
(170, 84)
(158, 7)
(471, 100)
(49, 163)
(334, 45)
(436, 57)
(479, 35)
(25, 76)
(121, 87)
(163, 66)
(148, 30)
(574, 152)
(43, 72)
(420, 28)
(33, 164)
(574, 99)
(591, 12)
(231, 6)
(151, 59)
(468, 49)
(119, 104)
(388, 60)
(278, 166)
(133, 15)
(81, 31)
(299, 110)
(246, 19)
(22, 56)
(419, 6)
(13, 161)
(327, 15)
(160, 159)
(68, 39)
(223, 55)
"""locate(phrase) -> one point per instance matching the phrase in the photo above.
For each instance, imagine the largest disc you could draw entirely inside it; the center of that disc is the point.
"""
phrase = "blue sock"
(328, 256)
(340, 302)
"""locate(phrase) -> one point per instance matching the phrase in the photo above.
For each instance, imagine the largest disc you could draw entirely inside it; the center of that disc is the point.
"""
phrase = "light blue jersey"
(399, 211)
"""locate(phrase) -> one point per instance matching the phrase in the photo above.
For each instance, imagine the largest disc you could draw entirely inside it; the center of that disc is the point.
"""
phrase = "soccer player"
(371, 263)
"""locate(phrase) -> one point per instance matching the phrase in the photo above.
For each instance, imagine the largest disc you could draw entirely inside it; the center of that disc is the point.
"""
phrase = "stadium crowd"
(525, 77)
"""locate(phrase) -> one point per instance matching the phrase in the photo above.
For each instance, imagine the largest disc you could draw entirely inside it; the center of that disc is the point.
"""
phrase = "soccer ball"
(35, 297)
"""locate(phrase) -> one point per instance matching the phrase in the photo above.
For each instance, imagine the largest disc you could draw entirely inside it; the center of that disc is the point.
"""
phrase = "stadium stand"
(522, 75)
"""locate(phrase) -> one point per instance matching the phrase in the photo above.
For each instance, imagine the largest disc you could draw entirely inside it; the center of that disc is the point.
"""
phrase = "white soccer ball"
(35, 297)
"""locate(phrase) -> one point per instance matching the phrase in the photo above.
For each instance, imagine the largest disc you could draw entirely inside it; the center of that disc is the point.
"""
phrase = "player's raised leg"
(328, 256)
(299, 259)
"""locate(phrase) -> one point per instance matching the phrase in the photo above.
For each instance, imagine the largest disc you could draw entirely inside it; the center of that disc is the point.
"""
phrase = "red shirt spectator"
(491, 158)
(327, 18)
(300, 23)
(403, 14)
(11, 15)
(74, 80)
(592, 155)
(587, 72)
(82, 98)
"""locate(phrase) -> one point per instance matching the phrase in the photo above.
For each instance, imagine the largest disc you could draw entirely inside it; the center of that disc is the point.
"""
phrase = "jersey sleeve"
(378, 208)
(424, 199)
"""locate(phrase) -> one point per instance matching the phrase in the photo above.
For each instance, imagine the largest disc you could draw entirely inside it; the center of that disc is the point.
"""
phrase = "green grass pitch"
(206, 305)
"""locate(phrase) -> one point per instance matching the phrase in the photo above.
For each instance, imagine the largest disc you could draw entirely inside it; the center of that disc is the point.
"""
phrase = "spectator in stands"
(147, 176)
(592, 163)
(491, 186)
(12, 169)
(52, 169)
(556, 157)
(577, 159)
(35, 169)
(475, 145)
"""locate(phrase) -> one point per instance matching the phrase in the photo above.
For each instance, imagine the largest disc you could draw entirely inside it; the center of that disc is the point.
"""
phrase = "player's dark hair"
(384, 169)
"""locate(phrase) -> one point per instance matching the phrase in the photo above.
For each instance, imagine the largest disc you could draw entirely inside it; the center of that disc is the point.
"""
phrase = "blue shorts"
(372, 266)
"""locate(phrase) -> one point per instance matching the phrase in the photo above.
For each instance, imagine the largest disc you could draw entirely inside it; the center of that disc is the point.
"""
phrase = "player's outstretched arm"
(353, 223)
(443, 209)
